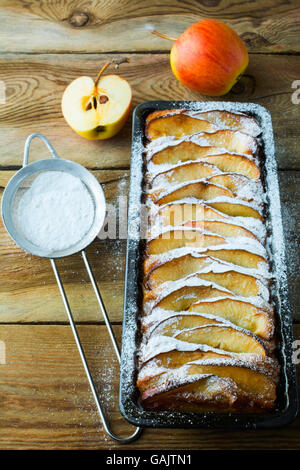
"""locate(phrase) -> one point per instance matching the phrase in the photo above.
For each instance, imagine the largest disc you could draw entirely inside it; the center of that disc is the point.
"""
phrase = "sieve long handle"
(138, 430)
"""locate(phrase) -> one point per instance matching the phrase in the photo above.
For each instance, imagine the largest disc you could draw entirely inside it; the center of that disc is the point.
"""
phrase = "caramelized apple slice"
(171, 326)
(235, 210)
(177, 214)
(185, 172)
(222, 337)
(162, 271)
(237, 122)
(221, 118)
(183, 266)
(233, 163)
(198, 393)
(232, 141)
(175, 269)
(173, 239)
(243, 314)
(235, 183)
(181, 299)
(251, 382)
(224, 229)
(198, 190)
(177, 125)
(174, 359)
(238, 283)
(183, 152)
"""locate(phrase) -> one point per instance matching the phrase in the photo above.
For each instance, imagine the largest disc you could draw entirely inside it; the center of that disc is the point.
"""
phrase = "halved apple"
(97, 110)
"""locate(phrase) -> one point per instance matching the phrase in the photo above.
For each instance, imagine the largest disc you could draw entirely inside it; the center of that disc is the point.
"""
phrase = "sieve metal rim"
(53, 164)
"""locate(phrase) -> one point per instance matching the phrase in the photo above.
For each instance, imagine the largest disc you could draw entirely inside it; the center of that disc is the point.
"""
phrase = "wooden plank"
(28, 292)
(46, 403)
(35, 84)
(105, 26)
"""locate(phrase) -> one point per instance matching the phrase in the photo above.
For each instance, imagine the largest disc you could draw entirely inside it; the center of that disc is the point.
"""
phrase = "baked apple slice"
(178, 213)
(234, 209)
(185, 123)
(181, 299)
(233, 163)
(183, 266)
(174, 359)
(173, 239)
(232, 141)
(198, 393)
(165, 268)
(242, 314)
(223, 337)
(224, 229)
(247, 381)
(237, 184)
(177, 125)
(184, 172)
(237, 122)
(171, 326)
(198, 190)
(182, 152)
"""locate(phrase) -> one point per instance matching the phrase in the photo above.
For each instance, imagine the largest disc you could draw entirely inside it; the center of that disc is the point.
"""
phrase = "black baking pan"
(287, 399)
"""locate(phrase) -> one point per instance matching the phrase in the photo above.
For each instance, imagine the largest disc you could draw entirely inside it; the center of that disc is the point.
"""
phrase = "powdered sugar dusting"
(243, 144)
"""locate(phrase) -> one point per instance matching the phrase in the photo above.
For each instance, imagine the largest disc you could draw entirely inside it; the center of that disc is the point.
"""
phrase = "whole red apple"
(209, 57)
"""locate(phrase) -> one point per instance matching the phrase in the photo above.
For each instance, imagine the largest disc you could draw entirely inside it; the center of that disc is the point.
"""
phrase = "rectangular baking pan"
(287, 402)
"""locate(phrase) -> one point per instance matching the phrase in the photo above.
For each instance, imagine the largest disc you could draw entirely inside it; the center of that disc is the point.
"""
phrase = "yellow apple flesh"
(97, 111)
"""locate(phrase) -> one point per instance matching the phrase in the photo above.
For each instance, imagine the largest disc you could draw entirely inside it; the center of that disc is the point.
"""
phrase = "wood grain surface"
(46, 403)
(35, 84)
(107, 25)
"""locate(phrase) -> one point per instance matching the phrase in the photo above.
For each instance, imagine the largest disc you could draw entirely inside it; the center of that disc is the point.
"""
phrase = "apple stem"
(101, 72)
(164, 36)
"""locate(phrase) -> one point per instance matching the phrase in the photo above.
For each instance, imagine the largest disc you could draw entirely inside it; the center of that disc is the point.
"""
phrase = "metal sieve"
(15, 187)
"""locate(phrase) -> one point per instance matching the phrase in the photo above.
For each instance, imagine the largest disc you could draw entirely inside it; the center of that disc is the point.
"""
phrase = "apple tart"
(207, 322)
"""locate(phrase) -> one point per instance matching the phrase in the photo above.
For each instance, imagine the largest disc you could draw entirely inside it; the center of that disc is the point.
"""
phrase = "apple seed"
(103, 99)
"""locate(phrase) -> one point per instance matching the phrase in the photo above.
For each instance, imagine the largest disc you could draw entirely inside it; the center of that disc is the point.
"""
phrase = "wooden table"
(45, 400)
